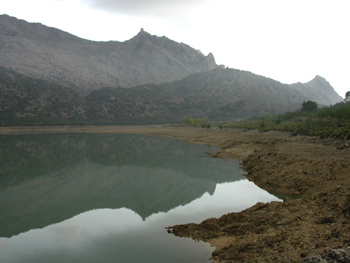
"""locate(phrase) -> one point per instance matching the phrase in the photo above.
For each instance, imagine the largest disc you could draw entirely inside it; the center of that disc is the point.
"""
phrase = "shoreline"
(317, 171)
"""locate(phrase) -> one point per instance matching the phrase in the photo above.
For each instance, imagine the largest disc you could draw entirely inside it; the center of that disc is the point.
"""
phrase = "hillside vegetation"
(216, 95)
(326, 122)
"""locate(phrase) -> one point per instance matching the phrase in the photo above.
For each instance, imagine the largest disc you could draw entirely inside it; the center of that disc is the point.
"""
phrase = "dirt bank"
(317, 171)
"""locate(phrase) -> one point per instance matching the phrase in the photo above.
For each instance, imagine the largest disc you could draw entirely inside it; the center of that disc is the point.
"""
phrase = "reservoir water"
(108, 197)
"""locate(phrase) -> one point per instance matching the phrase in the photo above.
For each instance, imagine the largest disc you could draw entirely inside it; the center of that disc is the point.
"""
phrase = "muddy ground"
(313, 175)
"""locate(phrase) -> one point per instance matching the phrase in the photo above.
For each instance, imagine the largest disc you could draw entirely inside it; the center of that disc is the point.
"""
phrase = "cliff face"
(51, 54)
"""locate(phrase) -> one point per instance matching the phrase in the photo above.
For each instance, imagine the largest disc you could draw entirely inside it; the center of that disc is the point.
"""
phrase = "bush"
(309, 106)
(206, 125)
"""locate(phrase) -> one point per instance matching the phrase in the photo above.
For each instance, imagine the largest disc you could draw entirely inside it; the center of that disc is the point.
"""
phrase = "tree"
(309, 106)
(347, 96)
(188, 120)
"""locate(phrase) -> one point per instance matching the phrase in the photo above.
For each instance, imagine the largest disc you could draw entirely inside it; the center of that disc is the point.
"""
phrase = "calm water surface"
(108, 197)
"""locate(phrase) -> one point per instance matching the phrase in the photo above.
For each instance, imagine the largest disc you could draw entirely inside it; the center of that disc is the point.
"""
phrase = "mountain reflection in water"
(84, 198)
(45, 179)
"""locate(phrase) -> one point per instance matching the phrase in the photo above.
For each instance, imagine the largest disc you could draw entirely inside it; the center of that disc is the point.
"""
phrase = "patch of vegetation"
(199, 122)
(327, 122)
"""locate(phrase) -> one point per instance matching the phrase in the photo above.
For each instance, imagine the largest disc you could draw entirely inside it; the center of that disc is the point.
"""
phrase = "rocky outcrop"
(51, 54)
(334, 256)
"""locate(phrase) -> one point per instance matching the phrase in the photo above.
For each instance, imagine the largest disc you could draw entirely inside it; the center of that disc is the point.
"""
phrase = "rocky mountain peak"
(143, 34)
(207, 63)
(320, 83)
(318, 80)
(318, 90)
(210, 55)
(143, 37)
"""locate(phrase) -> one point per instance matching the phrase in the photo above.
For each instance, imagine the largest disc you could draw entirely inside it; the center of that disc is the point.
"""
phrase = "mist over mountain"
(50, 77)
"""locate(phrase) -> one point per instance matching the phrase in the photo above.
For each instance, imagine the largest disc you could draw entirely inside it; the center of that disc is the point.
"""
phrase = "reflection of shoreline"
(47, 200)
(27, 156)
(146, 181)
(77, 129)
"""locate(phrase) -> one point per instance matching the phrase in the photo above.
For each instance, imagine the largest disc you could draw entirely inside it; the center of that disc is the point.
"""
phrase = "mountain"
(50, 54)
(50, 77)
(318, 90)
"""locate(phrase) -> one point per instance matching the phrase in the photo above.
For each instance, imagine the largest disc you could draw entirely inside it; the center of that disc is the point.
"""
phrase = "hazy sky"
(287, 40)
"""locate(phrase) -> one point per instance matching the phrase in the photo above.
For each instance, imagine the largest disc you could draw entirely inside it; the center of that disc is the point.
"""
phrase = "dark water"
(108, 197)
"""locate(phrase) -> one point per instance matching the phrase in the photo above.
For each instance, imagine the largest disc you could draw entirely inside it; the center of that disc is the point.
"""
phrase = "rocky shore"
(310, 174)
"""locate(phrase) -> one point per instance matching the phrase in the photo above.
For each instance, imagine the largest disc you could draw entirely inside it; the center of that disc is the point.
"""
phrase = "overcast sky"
(287, 40)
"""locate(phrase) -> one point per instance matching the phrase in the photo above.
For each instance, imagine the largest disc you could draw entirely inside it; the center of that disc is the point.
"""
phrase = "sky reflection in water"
(120, 235)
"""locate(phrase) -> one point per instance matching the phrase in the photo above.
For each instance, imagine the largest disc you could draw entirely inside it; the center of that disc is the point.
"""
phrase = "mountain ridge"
(57, 56)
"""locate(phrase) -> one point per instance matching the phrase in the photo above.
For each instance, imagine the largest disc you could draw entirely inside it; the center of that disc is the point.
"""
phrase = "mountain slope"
(51, 54)
(27, 101)
(218, 95)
